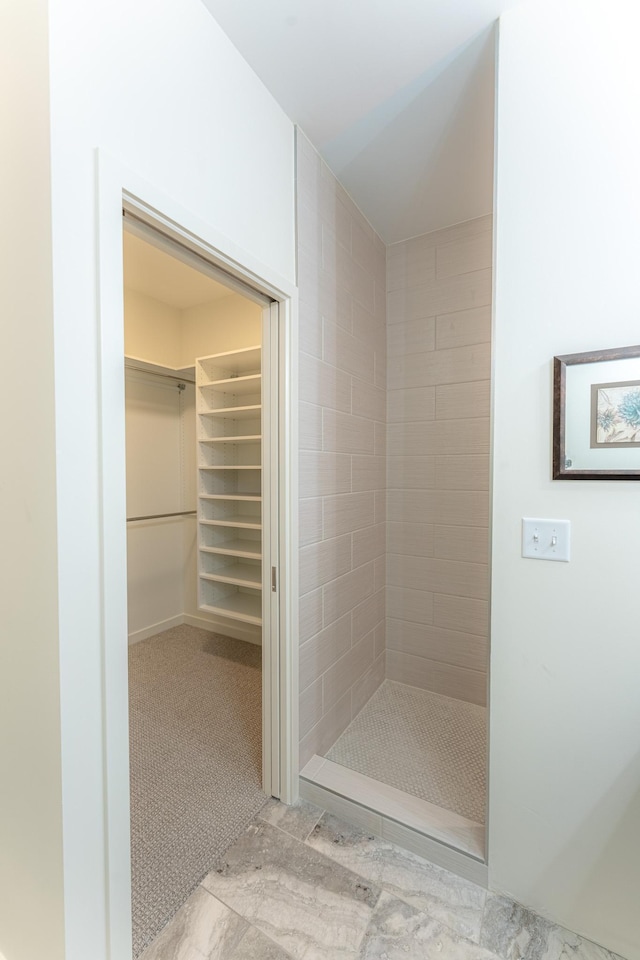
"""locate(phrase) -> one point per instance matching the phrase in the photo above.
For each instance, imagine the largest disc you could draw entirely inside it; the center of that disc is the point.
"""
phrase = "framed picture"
(596, 415)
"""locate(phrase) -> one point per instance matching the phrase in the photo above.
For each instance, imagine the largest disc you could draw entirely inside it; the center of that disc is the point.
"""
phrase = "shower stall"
(395, 375)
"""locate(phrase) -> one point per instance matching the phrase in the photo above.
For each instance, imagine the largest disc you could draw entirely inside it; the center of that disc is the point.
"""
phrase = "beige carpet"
(196, 743)
(429, 746)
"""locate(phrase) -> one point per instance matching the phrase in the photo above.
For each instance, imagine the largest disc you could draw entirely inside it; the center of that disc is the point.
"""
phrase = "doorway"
(179, 229)
(194, 409)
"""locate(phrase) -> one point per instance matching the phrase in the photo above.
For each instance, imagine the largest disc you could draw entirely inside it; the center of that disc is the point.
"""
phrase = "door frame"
(118, 187)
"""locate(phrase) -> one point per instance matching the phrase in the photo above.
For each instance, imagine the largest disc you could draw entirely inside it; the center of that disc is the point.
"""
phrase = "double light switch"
(545, 539)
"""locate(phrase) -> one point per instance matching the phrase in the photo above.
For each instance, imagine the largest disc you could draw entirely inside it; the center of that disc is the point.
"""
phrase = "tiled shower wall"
(439, 366)
(341, 282)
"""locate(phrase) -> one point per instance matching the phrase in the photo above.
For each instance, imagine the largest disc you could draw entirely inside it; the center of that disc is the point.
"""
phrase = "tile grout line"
(330, 862)
(248, 924)
(282, 830)
(482, 918)
(392, 891)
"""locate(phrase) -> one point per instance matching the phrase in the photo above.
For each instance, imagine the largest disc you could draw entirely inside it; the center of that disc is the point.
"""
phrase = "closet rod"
(159, 373)
(161, 516)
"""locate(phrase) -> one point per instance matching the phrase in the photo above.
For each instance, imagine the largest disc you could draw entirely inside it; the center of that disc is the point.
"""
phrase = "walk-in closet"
(193, 407)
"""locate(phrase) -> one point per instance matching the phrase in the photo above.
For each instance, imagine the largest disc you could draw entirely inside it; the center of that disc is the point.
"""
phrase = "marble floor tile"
(587, 950)
(309, 905)
(202, 929)
(515, 933)
(457, 903)
(299, 819)
(398, 932)
(255, 946)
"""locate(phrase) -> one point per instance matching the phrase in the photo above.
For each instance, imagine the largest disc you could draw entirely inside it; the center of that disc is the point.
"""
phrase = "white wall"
(230, 323)
(152, 329)
(155, 485)
(565, 704)
(174, 337)
(157, 86)
(31, 879)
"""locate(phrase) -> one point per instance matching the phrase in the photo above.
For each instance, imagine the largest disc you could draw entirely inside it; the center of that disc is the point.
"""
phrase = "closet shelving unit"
(229, 440)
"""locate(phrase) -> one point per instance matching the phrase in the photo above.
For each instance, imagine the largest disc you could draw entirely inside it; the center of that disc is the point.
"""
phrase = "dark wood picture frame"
(560, 364)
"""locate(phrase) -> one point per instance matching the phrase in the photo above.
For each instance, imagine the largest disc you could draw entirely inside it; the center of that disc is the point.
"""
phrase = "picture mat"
(579, 379)
(605, 399)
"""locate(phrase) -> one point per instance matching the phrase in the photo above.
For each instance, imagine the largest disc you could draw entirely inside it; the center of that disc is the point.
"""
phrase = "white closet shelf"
(233, 362)
(235, 386)
(250, 412)
(239, 521)
(246, 438)
(251, 549)
(229, 389)
(249, 497)
(241, 606)
(239, 574)
(241, 439)
(233, 466)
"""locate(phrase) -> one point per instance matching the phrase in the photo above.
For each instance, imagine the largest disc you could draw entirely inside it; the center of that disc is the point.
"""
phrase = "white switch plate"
(546, 539)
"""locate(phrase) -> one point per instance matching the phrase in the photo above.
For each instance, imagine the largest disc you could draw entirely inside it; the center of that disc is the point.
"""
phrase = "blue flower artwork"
(615, 414)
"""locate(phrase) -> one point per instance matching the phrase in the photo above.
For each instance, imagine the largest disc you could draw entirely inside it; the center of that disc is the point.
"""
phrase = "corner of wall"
(342, 336)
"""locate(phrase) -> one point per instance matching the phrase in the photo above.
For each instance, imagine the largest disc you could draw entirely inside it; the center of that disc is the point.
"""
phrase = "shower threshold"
(414, 739)
(419, 815)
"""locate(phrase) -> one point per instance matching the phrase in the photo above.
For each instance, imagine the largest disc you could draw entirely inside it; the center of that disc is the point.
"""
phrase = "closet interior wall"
(162, 554)
(157, 422)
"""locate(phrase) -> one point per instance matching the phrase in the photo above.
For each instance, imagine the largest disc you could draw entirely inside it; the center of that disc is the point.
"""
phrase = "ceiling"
(397, 97)
(154, 273)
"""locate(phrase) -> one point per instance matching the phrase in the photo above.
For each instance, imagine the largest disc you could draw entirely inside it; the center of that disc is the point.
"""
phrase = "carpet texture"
(196, 746)
(429, 746)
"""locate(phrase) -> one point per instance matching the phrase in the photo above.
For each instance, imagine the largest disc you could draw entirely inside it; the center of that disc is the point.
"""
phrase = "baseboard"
(229, 628)
(151, 631)
(371, 821)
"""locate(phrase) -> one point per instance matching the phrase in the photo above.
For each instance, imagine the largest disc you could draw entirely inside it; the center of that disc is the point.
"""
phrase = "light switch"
(546, 539)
